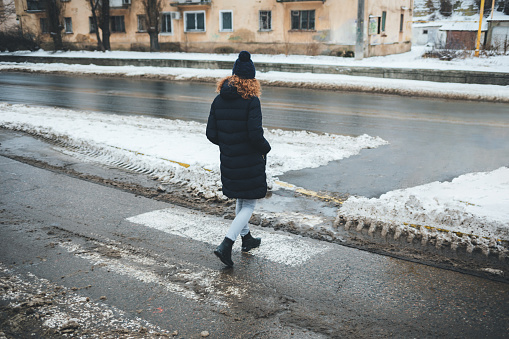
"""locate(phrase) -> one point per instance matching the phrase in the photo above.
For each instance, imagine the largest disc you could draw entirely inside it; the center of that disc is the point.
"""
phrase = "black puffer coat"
(235, 124)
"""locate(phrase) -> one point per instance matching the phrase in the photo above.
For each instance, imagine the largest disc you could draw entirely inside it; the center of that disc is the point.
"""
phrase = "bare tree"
(101, 19)
(95, 23)
(487, 5)
(153, 10)
(429, 4)
(104, 23)
(445, 7)
(54, 9)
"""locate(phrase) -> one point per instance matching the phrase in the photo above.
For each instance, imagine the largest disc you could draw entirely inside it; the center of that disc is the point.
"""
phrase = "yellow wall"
(335, 27)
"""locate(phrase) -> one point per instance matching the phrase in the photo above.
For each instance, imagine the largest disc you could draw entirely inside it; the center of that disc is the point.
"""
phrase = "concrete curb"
(453, 76)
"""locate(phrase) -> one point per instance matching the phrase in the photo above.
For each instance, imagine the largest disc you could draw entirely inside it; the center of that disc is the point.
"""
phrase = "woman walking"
(235, 125)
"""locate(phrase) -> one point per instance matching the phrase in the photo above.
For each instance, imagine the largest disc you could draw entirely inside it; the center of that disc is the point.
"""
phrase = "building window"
(117, 24)
(142, 23)
(92, 27)
(166, 23)
(374, 25)
(194, 21)
(44, 25)
(35, 6)
(303, 20)
(401, 21)
(424, 31)
(68, 25)
(265, 20)
(384, 20)
(225, 21)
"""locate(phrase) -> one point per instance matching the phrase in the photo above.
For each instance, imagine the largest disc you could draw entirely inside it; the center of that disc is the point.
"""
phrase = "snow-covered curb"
(174, 151)
(471, 210)
(286, 79)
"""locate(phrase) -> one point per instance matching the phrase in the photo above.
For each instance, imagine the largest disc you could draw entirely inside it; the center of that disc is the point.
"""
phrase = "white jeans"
(240, 225)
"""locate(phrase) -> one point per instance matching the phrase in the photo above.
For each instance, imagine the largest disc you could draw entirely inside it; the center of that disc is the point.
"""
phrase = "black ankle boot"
(224, 252)
(248, 242)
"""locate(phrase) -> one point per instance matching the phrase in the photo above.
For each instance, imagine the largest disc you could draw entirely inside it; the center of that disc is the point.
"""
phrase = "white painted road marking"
(290, 250)
(140, 268)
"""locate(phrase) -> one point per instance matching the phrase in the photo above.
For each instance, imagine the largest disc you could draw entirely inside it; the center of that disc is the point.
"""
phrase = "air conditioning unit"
(126, 2)
(175, 15)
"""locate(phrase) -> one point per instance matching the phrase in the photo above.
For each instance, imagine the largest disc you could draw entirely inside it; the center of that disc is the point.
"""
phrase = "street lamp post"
(359, 43)
(478, 42)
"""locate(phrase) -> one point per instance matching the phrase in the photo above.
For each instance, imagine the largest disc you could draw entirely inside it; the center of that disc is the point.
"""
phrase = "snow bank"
(411, 59)
(172, 150)
(302, 80)
(471, 207)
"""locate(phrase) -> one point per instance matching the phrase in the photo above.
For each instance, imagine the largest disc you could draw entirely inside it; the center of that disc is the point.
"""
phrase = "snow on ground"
(174, 150)
(475, 203)
(336, 81)
(178, 151)
(412, 59)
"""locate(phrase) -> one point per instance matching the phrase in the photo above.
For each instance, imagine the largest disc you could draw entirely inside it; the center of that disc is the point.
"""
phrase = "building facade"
(498, 32)
(7, 15)
(264, 26)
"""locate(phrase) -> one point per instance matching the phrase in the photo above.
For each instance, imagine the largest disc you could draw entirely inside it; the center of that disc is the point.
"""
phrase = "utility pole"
(478, 42)
(359, 43)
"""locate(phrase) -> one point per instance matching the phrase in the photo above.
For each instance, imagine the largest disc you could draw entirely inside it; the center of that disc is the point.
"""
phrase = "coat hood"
(229, 92)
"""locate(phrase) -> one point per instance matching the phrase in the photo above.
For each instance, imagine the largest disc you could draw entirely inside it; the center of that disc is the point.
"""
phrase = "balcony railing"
(298, 0)
(179, 3)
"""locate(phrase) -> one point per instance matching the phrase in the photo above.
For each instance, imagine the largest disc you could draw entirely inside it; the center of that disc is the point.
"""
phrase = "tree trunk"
(53, 11)
(96, 25)
(105, 24)
(153, 10)
(58, 44)
(154, 41)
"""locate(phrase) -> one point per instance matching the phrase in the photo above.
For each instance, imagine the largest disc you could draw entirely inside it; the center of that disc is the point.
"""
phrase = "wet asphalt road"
(340, 293)
(430, 139)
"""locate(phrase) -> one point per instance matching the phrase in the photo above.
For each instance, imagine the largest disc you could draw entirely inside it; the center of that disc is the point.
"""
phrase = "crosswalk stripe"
(289, 250)
(141, 268)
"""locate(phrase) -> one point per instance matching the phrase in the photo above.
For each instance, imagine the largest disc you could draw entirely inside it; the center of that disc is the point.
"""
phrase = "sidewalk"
(120, 272)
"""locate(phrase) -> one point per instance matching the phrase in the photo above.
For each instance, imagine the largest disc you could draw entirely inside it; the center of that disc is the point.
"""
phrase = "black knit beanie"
(244, 67)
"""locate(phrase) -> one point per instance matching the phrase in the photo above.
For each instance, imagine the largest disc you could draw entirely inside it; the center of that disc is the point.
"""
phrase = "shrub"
(170, 47)
(349, 54)
(14, 40)
(446, 54)
(224, 50)
(337, 53)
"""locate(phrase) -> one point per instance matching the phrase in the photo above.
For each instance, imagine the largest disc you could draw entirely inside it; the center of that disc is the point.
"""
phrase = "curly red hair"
(247, 88)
